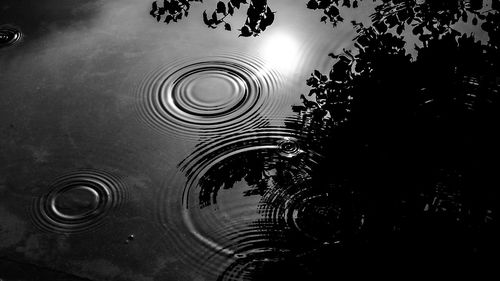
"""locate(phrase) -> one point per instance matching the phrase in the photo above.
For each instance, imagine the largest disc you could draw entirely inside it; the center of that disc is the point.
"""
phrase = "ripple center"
(212, 90)
(76, 201)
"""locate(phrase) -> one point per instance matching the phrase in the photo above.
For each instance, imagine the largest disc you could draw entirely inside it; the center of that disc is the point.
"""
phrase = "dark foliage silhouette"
(414, 137)
(261, 169)
(290, 193)
(171, 10)
(259, 14)
(408, 138)
(424, 16)
(254, 168)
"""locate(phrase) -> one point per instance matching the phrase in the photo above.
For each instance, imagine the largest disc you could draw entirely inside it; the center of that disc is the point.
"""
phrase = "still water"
(133, 149)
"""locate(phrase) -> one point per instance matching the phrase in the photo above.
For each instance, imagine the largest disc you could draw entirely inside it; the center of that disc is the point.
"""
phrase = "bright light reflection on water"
(280, 51)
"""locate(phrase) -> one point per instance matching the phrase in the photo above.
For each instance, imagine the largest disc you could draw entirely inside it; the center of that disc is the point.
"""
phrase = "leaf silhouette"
(400, 29)
(230, 8)
(269, 16)
(236, 3)
(221, 8)
(380, 26)
(312, 4)
(153, 9)
(252, 13)
(259, 14)
(205, 19)
(245, 31)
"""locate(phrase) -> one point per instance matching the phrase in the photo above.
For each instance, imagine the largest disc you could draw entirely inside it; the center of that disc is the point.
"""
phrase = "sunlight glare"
(281, 52)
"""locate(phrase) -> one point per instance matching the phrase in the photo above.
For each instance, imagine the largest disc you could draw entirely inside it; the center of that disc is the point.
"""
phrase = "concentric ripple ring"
(78, 202)
(223, 224)
(9, 36)
(210, 96)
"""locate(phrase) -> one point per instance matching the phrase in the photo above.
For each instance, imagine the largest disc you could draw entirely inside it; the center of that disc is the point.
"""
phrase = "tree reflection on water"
(259, 14)
(408, 141)
(416, 136)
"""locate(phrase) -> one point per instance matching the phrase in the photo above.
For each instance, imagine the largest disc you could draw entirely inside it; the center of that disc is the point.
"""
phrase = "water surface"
(133, 149)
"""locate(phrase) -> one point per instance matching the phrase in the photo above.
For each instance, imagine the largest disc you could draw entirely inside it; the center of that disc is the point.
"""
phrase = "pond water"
(133, 149)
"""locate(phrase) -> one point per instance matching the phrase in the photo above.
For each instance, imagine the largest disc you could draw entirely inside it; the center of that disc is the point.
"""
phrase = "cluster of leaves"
(335, 93)
(492, 26)
(428, 18)
(430, 115)
(331, 8)
(465, 80)
(171, 10)
(252, 168)
(409, 138)
(376, 48)
(424, 16)
(414, 137)
(259, 14)
(260, 170)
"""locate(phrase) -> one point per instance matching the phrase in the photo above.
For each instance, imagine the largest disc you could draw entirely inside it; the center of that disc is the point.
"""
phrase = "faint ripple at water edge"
(265, 266)
(226, 213)
(78, 202)
(9, 36)
(210, 96)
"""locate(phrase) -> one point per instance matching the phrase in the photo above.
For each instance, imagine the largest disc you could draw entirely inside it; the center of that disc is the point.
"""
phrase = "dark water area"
(248, 140)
